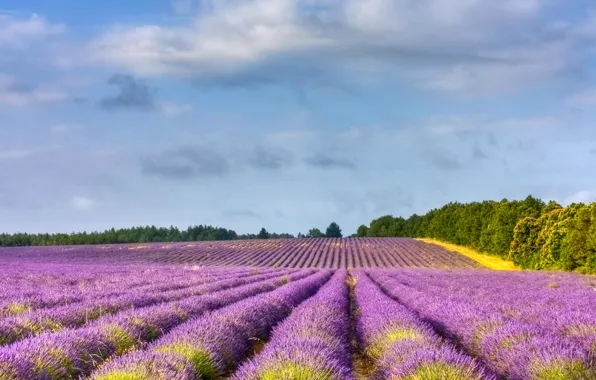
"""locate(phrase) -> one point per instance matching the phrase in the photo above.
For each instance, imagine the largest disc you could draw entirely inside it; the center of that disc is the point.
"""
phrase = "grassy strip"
(491, 262)
(363, 366)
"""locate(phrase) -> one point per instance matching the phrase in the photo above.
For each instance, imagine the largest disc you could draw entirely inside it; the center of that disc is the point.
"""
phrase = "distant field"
(291, 253)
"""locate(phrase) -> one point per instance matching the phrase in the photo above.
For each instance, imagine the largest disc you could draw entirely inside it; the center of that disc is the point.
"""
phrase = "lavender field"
(290, 253)
(335, 309)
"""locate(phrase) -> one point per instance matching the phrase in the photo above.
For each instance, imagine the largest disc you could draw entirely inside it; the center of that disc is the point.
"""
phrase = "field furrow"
(215, 344)
(399, 345)
(71, 353)
(499, 334)
(312, 343)
(69, 296)
(80, 314)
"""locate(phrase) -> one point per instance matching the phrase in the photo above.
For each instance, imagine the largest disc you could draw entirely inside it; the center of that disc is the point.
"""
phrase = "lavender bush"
(73, 352)
(216, 343)
(312, 343)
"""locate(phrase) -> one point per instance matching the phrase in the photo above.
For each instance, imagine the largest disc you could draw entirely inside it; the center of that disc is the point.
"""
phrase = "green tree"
(579, 246)
(533, 234)
(362, 231)
(315, 233)
(263, 234)
(552, 205)
(524, 247)
(381, 227)
(333, 231)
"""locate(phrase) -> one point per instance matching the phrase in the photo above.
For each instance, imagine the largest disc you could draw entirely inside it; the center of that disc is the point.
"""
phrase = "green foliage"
(333, 231)
(263, 234)
(122, 375)
(392, 335)
(443, 371)
(293, 370)
(579, 246)
(362, 231)
(562, 238)
(148, 234)
(531, 233)
(524, 241)
(199, 357)
(386, 226)
(562, 370)
(315, 233)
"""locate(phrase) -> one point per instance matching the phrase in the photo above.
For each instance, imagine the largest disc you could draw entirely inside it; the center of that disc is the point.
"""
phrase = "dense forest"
(132, 235)
(151, 234)
(531, 233)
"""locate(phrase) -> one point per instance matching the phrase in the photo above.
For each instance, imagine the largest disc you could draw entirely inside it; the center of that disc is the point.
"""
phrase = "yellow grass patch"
(491, 262)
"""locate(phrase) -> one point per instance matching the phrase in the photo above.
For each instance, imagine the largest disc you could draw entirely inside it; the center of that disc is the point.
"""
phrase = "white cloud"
(15, 154)
(66, 128)
(503, 69)
(584, 196)
(80, 203)
(183, 7)
(586, 29)
(173, 110)
(453, 45)
(289, 136)
(447, 125)
(436, 21)
(231, 34)
(15, 32)
(583, 100)
(23, 153)
(450, 125)
(16, 94)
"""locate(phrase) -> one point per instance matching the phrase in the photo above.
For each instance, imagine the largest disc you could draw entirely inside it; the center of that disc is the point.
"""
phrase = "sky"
(289, 114)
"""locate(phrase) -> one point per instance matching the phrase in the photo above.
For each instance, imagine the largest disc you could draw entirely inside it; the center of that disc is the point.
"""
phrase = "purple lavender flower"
(501, 321)
(143, 365)
(312, 343)
(70, 353)
(430, 362)
(79, 314)
(402, 345)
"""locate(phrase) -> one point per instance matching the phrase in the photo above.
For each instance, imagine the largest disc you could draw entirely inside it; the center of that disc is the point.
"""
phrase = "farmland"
(318, 309)
(289, 253)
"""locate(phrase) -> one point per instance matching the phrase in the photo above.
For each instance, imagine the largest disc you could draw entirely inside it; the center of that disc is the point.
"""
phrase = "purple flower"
(312, 343)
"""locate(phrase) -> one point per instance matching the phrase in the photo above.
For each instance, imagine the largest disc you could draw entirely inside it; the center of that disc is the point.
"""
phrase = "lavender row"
(215, 344)
(312, 343)
(70, 353)
(71, 284)
(79, 314)
(400, 345)
(508, 347)
(164, 282)
(20, 275)
(31, 280)
(564, 291)
(561, 304)
(557, 303)
(288, 253)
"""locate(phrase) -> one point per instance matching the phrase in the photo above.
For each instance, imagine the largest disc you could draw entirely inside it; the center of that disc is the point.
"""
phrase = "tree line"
(147, 234)
(531, 233)
(150, 234)
(333, 231)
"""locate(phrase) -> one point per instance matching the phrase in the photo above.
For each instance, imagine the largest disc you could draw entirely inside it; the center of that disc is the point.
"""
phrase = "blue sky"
(289, 114)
